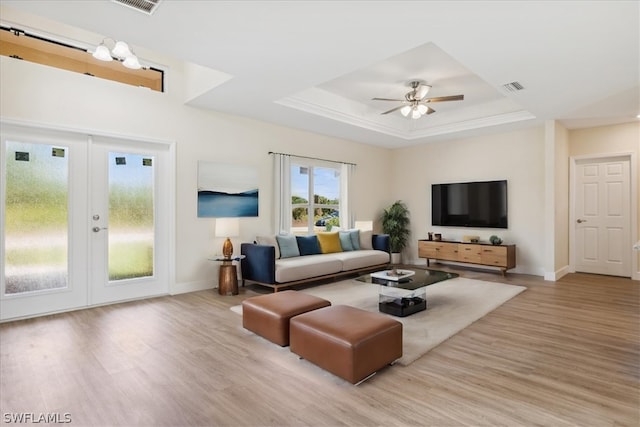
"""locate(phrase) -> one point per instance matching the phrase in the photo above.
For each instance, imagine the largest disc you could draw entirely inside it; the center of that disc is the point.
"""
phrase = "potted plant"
(395, 223)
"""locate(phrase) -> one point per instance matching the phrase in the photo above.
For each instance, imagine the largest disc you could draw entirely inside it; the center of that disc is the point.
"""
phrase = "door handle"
(580, 221)
(97, 229)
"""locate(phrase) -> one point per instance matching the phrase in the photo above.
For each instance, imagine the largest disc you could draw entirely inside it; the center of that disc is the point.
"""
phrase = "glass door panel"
(36, 217)
(131, 216)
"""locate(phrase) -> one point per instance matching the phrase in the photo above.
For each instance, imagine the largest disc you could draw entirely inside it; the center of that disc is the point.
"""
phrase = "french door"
(86, 220)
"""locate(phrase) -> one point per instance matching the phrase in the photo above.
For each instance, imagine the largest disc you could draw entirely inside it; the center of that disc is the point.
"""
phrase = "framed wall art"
(227, 191)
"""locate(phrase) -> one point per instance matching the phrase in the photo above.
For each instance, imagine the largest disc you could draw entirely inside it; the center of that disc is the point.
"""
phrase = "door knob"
(580, 221)
(96, 229)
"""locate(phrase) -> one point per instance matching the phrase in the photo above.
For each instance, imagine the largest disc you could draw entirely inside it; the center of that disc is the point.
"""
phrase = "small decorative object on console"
(495, 240)
(470, 239)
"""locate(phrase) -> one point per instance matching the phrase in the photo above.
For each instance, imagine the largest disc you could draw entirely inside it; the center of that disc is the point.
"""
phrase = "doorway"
(601, 215)
(87, 220)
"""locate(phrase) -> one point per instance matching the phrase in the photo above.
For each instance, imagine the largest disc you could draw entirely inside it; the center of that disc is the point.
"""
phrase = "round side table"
(228, 275)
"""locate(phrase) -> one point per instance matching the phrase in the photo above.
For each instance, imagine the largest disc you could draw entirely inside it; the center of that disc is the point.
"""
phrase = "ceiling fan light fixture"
(422, 109)
(415, 113)
(405, 110)
(422, 91)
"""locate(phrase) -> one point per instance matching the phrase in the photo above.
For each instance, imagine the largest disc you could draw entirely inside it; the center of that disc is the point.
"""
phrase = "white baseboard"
(552, 276)
(184, 287)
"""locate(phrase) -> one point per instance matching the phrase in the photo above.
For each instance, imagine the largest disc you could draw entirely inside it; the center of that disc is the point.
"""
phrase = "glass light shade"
(422, 109)
(422, 91)
(132, 62)
(102, 53)
(405, 110)
(415, 113)
(121, 50)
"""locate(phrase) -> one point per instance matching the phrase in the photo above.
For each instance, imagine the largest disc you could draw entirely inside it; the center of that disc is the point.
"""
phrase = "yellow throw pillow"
(329, 242)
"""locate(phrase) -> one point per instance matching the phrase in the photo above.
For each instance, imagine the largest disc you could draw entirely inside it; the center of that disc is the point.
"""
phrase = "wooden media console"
(501, 256)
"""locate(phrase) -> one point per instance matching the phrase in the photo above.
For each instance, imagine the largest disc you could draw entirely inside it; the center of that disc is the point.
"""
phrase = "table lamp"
(364, 225)
(227, 227)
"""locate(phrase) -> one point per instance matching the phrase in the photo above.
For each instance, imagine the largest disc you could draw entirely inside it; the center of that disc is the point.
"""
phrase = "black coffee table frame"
(404, 297)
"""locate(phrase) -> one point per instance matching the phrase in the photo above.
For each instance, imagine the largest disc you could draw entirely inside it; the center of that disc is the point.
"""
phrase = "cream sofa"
(274, 262)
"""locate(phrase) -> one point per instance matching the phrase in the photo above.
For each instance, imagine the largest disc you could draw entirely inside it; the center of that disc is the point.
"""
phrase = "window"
(312, 195)
(19, 44)
(315, 197)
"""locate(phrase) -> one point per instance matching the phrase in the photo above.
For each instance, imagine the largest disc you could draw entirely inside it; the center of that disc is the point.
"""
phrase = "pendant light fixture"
(120, 51)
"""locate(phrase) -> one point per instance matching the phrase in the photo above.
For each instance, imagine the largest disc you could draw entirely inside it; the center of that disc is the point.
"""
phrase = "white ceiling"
(315, 65)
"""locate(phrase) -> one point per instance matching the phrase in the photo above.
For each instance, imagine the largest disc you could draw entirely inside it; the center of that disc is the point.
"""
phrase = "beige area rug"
(452, 305)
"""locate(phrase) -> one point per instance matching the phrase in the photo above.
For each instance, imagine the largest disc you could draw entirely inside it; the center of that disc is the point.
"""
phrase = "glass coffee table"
(402, 291)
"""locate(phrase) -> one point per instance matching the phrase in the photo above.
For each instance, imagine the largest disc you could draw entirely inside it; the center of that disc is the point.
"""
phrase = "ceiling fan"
(415, 101)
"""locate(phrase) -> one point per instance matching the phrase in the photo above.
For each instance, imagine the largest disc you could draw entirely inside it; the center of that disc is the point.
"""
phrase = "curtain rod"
(312, 158)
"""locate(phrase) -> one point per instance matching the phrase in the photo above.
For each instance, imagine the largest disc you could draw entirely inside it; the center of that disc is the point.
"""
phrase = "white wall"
(43, 95)
(515, 156)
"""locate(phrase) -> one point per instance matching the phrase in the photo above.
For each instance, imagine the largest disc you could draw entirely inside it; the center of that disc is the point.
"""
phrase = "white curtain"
(282, 193)
(347, 216)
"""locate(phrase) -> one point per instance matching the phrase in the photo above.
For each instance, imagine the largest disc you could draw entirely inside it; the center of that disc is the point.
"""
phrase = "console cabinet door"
(447, 251)
(427, 250)
(469, 253)
(496, 256)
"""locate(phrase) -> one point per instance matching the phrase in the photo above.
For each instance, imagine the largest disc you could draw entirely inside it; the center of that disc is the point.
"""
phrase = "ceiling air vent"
(146, 6)
(513, 87)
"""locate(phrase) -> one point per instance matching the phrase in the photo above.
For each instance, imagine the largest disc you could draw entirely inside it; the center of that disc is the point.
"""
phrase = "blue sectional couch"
(285, 261)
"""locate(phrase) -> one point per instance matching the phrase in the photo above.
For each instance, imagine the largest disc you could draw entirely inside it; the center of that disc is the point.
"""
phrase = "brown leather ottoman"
(346, 341)
(268, 315)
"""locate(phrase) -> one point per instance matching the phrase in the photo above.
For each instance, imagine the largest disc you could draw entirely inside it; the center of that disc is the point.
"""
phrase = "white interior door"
(602, 216)
(129, 220)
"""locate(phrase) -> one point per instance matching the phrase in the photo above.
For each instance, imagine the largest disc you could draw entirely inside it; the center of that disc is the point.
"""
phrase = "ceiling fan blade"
(393, 109)
(444, 98)
(387, 99)
(430, 110)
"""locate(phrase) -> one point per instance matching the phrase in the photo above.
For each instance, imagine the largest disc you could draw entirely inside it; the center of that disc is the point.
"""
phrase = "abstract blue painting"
(227, 191)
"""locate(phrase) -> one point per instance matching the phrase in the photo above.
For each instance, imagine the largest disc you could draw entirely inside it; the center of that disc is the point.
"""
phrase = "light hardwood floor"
(558, 354)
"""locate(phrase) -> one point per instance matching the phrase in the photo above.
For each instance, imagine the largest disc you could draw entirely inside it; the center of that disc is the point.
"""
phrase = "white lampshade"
(415, 113)
(132, 62)
(405, 110)
(121, 50)
(364, 225)
(422, 109)
(102, 53)
(227, 227)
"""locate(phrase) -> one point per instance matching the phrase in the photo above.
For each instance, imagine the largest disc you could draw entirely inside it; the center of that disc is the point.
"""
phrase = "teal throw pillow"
(355, 239)
(288, 246)
(308, 245)
(345, 241)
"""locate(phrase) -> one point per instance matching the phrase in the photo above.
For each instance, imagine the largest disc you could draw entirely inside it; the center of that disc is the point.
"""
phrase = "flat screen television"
(470, 204)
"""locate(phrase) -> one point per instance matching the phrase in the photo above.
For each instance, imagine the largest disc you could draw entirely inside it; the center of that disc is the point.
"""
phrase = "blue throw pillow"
(345, 241)
(288, 246)
(308, 245)
(355, 239)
